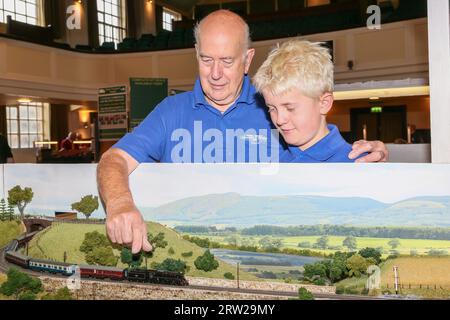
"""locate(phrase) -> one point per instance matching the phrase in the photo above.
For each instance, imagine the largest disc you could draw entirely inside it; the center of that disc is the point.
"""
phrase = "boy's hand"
(377, 151)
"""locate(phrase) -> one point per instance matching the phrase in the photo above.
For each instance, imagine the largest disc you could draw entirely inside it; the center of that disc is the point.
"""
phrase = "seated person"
(297, 83)
(70, 151)
(67, 143)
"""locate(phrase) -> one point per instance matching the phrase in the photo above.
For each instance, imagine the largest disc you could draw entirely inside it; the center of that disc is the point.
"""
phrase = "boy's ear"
(326, 102)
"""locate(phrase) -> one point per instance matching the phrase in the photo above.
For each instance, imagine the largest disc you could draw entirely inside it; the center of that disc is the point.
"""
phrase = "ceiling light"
(24, 100)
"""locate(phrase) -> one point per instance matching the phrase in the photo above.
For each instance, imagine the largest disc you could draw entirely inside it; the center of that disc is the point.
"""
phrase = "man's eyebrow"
(204, 56)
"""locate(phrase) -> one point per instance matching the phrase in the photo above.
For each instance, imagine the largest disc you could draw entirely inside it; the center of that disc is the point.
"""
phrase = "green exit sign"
(376, 109)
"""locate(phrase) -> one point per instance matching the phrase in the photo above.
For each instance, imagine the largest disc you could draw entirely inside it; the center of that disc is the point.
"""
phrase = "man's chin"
(220, 101)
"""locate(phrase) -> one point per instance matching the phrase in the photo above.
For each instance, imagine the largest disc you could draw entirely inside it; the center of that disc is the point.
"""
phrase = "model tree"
(322, 242)
(135, 260)
(350, 243)
(21, 286)
(132, 260)
(394, 243)
(103, 256)
(98, 249)
(10, 212)
(357, 265)
(173, 265)
(86, 205)
(21, 198)
(206, 262)
(3, 210)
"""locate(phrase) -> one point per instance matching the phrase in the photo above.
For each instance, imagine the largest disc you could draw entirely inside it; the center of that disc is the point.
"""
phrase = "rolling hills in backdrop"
(232, 209)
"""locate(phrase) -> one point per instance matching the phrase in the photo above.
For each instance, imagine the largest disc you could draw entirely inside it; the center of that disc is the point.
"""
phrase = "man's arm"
(124, 222)
(377, 151)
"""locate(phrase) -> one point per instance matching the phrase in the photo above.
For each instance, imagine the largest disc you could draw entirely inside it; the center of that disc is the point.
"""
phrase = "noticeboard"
(112, 110)
(145, 94)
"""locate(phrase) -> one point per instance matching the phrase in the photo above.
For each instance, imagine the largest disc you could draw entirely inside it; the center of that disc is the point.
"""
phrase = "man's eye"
(228, 61)
(206, 60)
(290, 108)
(271, 109)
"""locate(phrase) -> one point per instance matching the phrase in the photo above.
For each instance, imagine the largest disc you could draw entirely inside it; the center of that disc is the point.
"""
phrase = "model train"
(88, 271)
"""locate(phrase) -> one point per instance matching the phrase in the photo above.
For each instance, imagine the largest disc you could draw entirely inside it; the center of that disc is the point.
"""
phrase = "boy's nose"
(282, 118)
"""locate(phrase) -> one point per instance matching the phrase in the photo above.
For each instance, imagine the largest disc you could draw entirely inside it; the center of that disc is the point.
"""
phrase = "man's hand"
(377, 151)
(128, 228)
(124, 223)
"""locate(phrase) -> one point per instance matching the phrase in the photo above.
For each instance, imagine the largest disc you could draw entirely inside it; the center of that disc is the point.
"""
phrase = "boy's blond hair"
(303, 65)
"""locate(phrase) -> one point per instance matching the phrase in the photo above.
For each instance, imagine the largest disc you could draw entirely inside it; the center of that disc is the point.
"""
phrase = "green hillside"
(52, 243)
(8, 231)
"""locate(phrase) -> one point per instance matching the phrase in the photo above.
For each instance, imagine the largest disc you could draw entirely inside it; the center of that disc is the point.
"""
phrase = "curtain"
(52, 12)
(59, 121)
(3, 120)
(92, 23)
(131, 18)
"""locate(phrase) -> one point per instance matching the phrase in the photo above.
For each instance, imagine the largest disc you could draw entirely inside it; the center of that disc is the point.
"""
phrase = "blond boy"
(297, 83)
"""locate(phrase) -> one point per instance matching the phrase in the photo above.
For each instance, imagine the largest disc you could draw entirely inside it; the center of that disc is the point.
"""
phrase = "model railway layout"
(88, 271)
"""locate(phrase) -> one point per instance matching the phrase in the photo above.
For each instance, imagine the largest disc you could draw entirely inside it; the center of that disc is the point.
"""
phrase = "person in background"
(416, 136)
(67, 143)
(6, 155)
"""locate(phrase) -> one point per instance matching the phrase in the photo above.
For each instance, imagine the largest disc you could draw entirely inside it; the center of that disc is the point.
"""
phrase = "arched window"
(27, 11)
(111, 16)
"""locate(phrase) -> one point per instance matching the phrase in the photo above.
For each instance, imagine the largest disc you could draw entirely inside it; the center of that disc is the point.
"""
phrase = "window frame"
(41, 123)
(118, 27)
(25, 16)
(168, 25)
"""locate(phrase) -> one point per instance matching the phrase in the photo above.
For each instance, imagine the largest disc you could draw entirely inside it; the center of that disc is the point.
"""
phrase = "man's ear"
(248, 59)
(326, 102)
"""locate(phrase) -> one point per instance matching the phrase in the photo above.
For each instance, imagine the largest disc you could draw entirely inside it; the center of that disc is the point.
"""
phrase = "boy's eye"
(290, 108)
(271, 109)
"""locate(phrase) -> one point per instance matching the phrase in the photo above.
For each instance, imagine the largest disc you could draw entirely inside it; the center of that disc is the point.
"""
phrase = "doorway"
(387, 124)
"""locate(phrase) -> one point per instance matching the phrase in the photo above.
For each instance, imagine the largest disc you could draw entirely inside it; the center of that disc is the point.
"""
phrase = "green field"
(8, 231)
(405, 247)
(52, 242)
(352, 285)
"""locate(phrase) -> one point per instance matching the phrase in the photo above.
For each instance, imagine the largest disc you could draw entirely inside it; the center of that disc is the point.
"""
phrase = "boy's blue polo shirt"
(331, 148)
(185, 128)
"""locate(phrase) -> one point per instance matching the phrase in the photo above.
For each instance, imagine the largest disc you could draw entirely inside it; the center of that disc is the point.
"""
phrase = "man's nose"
(217, 71)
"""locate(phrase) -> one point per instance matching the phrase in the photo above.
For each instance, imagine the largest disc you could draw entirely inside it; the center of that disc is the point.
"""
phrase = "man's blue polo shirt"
(331, 148)
(186, 128)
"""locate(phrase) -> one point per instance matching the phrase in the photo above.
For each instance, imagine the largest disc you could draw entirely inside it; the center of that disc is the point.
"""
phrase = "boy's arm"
(377, 151)
(124, 222)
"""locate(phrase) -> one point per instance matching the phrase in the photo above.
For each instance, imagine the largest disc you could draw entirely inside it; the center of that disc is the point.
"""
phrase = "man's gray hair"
(247, 41)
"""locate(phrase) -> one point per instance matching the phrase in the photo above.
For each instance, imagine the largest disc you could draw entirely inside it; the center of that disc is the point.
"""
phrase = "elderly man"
(221, 120)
